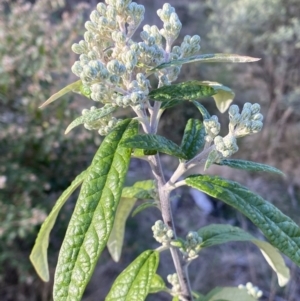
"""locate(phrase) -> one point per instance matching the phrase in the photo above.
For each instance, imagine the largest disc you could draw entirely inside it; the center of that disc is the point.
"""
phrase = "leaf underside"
(71, 87)
(93, 216)
(38, 255)
(116, 237)
(250, 166)
(208, 58)
(228, 294)
(281, 231)
(133, 284)
(215, 234)
(193, 138)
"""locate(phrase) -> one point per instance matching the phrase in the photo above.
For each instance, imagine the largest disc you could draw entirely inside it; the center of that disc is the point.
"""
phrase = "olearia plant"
(114, 72)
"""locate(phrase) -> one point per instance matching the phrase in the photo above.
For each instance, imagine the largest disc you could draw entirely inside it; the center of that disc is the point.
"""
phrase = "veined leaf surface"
(193, 138)
(91, 116)
(281, 231)
(218, 234)
(38, 255)
(133, 284)
(182, 91)
(157, 284)
(155, 143)
(93, 216)
(139, 190)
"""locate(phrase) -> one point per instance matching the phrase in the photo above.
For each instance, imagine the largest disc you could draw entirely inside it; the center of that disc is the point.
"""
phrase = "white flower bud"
(233, 110)
(76, 48)
(195, 40)
(255, 108)
(91, 26)
(88, 36)
(77, 68)
(94, 16)
(101, 7)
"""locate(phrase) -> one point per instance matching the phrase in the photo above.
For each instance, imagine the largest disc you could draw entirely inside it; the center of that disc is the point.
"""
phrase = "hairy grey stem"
(164, 197)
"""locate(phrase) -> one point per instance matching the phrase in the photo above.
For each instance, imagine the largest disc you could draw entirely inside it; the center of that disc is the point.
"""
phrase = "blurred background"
(37, 161)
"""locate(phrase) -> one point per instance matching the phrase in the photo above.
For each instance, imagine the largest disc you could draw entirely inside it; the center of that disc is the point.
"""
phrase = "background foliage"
(38, 162)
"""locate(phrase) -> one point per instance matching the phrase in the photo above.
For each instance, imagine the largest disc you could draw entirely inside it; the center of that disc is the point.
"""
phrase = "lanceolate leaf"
(144, 206)
(157, 284)
(208, 58)
(133, 284)
(93, 216)
(223, 96)
(116, 237)
(91, 116)
(250, 166)
(201, 109)
(182, 91)
(155, 142)
(139, 190)
(170, 103)
(193, 138)
(228, 294)
(217, 234)
(281, 231)
(74, 86)
(38, 255)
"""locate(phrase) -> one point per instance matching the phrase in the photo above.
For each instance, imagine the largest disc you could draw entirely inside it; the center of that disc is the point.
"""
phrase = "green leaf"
(217, 234)
(91, 116)
(157, 284)
(250, 166)
(116, 237)
(223, 95)
(133, 284)
(144, 206)
(193, 138)
(74, 86)
(175, 298)
(139, 190)
(170, 103)
(182, 91)
(155, 142)
(93, 216)
(38, 255)
(201, 109)
(213, 157)
(208, 58)
(280, 230)
(228, 294)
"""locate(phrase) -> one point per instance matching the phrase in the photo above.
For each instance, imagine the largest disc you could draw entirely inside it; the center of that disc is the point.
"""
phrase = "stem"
(164, 196)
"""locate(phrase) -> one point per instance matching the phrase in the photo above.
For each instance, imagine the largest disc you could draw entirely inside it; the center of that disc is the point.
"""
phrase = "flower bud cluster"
(192, 245)
(253, 291)
(113, 66)
(227, 145)
(171, 23)
(162, 233)
(174, 281)
(212, 128)
(249, 121)
(103, 125)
